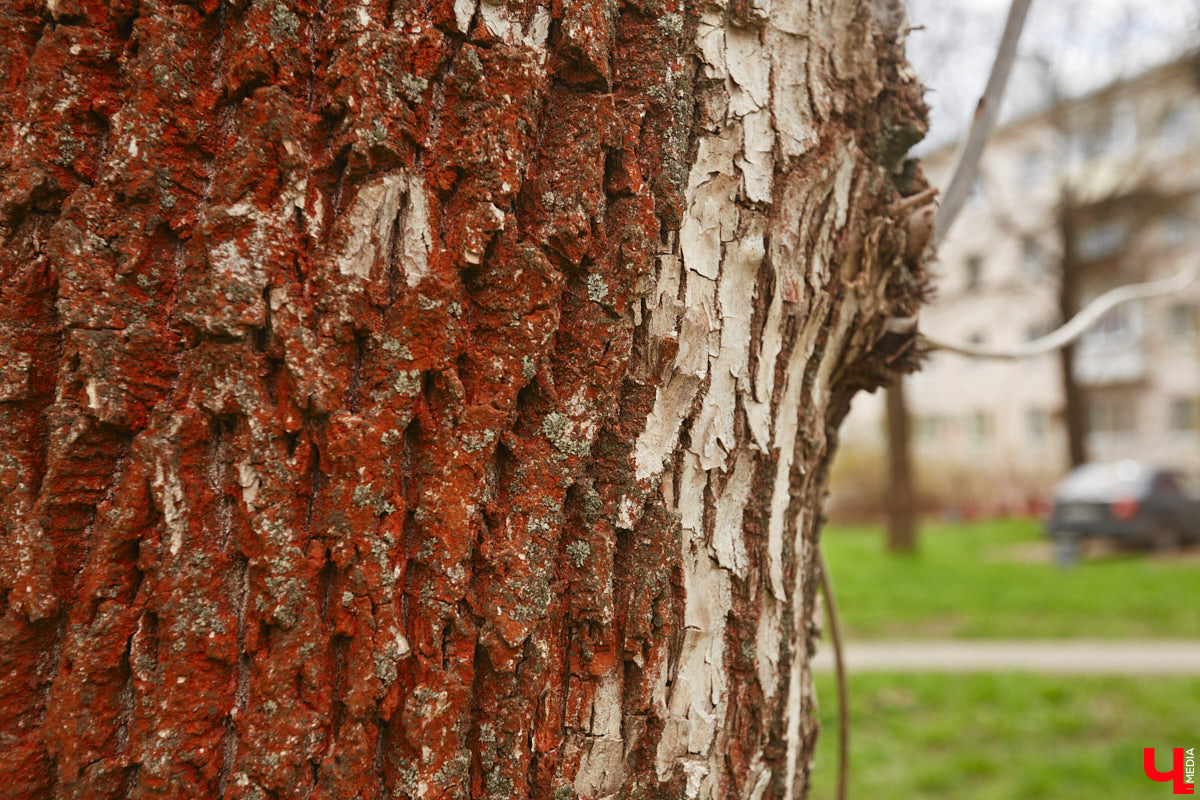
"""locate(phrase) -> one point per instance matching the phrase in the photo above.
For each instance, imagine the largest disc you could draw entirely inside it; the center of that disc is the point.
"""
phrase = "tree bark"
(432, 400)
(901, 511)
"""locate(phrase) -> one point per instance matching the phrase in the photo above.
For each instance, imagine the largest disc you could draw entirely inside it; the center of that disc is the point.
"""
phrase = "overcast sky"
(1085, 43)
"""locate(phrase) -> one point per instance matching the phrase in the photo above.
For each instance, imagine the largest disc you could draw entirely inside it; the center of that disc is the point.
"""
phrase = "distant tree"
(901, 492)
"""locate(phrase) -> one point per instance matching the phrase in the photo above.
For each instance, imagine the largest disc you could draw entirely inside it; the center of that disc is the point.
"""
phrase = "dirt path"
(1072, 656)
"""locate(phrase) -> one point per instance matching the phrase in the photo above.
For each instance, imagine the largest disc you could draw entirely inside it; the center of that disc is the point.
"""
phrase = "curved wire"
(1077, 325)
(835, 635)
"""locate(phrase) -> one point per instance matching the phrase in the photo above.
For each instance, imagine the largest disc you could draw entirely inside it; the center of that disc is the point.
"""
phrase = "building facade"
(1106, 189)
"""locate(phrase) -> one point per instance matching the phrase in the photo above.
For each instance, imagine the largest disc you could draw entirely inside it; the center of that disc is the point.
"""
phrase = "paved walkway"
(1069, 656)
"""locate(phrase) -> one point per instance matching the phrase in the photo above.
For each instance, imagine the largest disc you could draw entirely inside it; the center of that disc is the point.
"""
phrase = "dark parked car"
(1127, 501)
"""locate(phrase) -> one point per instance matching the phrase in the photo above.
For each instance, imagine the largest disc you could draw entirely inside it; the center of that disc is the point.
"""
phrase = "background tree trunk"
(1075, 406)
(432, 400)
(901, 508)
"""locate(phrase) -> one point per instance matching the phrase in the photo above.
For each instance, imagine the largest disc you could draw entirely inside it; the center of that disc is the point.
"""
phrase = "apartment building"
(1117, 174)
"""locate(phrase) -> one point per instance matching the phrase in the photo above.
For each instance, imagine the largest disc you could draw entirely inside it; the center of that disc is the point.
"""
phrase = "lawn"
(1004, 736)
(994, 579)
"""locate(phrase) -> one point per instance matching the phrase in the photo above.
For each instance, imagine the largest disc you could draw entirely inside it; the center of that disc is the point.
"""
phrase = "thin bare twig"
(1078, 324)
(835, 634)
(986, 114)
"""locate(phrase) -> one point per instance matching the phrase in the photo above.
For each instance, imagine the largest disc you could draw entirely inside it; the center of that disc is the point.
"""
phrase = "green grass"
(983, 579)
(1004, 736)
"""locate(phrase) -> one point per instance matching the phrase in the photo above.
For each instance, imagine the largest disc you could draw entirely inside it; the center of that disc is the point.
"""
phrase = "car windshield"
(1106, 482)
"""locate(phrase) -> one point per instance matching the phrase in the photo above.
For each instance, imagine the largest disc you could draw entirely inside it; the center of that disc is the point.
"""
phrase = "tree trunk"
(432, 400)
(901, 511)
(1075, 407)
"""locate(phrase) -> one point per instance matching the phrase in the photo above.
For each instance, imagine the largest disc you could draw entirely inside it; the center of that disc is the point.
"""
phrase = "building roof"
(1189, 61)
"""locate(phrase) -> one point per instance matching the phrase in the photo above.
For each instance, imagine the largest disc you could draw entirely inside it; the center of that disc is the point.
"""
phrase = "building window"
(1175, 131)
(1037, 424)
(1175, 229)
(1123, 130)
(1185, 415)
(1031, 166)
(1098, 138)
(1112, 417)
(930, 429)
(1032, 261)
(1113, 351)
(1181, 322)
(978, 189)
(1114, 329)
(974, 272)
(1037, 330)
(979, 426)
(976, 339)
(1102, 239)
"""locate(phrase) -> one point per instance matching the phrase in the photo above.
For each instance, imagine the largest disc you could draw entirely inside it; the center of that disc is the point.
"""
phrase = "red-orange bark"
(283, 522)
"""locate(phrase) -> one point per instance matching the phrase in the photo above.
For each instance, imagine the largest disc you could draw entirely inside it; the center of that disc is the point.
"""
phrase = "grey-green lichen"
(556, 428)
(579, 552)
